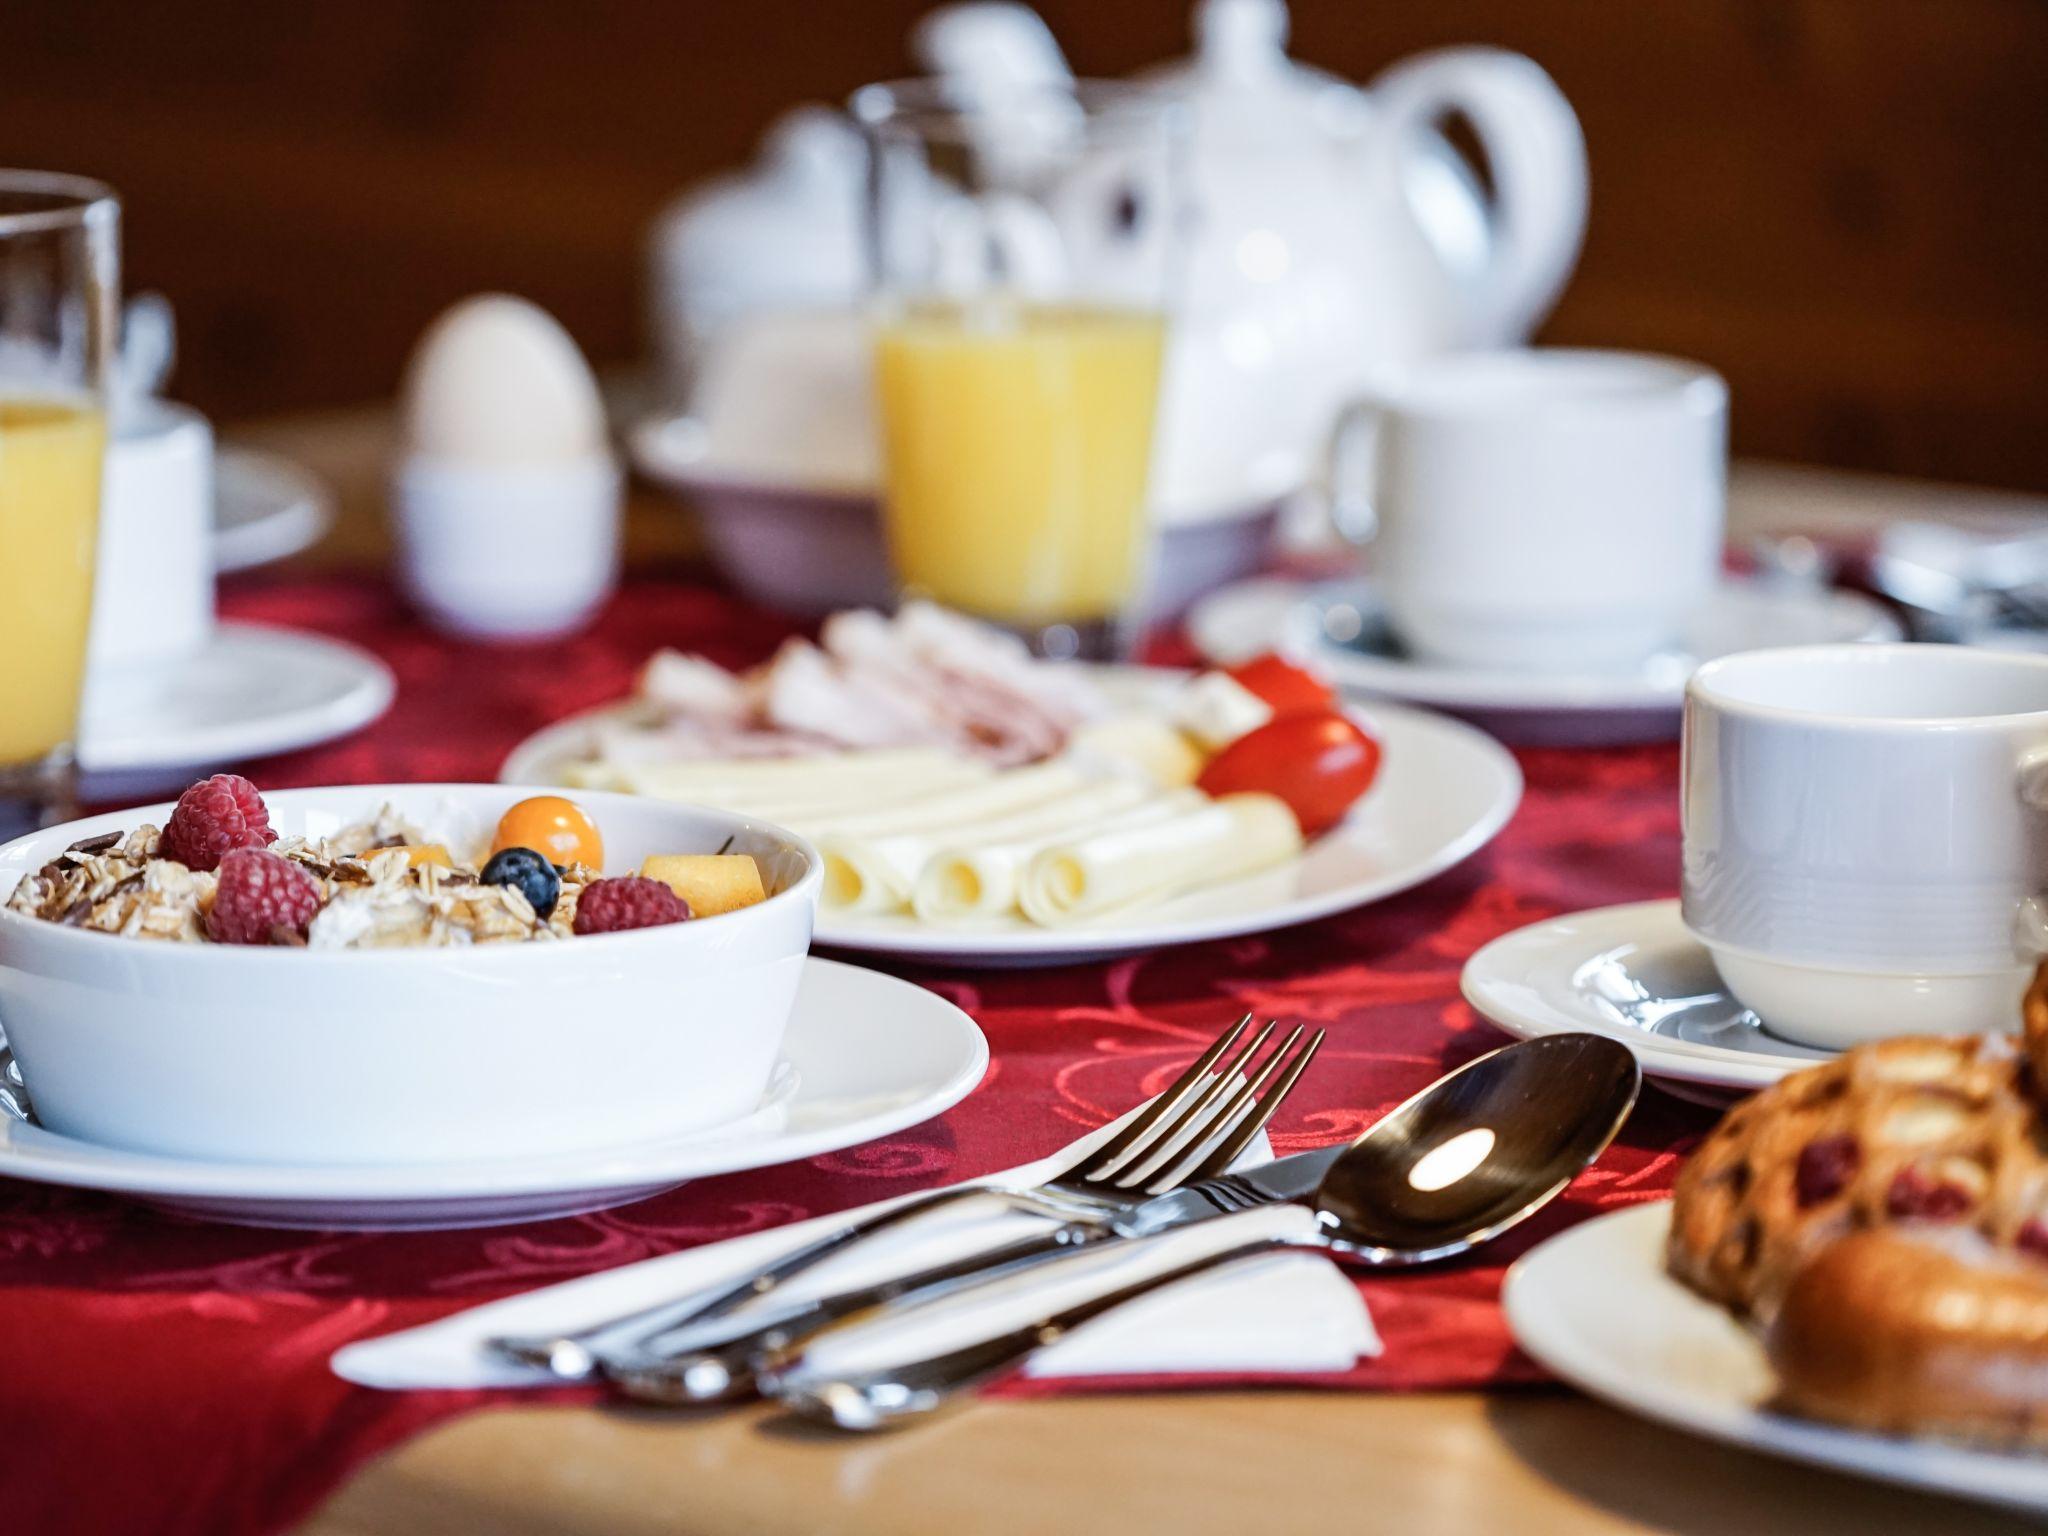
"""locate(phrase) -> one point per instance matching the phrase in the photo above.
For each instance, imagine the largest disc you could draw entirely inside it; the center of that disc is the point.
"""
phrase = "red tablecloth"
(164, 1375)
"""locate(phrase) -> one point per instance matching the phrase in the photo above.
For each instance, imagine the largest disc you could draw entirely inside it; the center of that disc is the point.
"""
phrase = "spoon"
(1455, 1166)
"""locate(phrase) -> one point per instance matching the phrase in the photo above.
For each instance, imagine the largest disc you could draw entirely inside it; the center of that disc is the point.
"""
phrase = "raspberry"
(1915, 1194)
(213, 817)
(261, 898)
(610, 906)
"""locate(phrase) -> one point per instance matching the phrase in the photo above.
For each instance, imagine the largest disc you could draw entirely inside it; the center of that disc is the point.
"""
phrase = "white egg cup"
(511, 551)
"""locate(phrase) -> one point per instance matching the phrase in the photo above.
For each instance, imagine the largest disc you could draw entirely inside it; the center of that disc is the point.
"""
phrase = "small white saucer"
(265, 508)
(866, 1055)
(1341, 624)
(1594, 1305)
(153, 727)
(1635, 974)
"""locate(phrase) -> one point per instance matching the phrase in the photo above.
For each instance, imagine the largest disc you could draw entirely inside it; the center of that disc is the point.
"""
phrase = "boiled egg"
(496, 381)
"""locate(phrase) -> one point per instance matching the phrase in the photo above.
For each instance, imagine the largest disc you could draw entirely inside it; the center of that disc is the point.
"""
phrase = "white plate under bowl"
(1594, 1305)
(1635, 974)
(1444, 791)
(153, 727)
(265, 508)
(1340, 624)
(866, 1055)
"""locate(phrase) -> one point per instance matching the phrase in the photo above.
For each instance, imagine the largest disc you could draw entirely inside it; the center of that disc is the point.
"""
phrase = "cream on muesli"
(217, 873)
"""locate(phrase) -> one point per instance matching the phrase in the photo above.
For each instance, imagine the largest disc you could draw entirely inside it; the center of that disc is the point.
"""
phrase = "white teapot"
(1336, 236)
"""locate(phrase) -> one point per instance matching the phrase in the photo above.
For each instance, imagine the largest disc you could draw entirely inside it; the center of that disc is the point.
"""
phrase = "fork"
(1084, 1194)
(699, 1363)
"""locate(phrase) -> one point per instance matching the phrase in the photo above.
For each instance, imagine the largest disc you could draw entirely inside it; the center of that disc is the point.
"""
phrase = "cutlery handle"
(578, 1356)
(895, 1395)
(673, 1371)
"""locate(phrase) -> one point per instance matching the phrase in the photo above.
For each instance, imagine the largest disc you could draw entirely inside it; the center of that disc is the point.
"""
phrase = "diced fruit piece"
(1286, 686)
(611, 906)
(1318, 762)
(1825, 1168)
(261, 898)
(214, 817)
(1932, 1194)
(710, 883)
(531, 873)
(548, 824)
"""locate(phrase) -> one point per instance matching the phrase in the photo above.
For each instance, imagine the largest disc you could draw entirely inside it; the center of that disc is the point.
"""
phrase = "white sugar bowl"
(506, 498)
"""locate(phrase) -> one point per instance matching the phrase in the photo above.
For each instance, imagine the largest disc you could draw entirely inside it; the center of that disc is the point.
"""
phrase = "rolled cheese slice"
(878, 872)
(833, 783)
(1142, 743)
(964, 882)
(999, 794)
(1236, 835)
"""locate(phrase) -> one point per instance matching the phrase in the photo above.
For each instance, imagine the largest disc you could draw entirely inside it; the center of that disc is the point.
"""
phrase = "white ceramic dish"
(866, 1055)
(390, 1056)
(251, 691)
(1443, 794)
(1635, 974)
(265, 509)
(1340, 624)
(1594, 1305)
(810, 550)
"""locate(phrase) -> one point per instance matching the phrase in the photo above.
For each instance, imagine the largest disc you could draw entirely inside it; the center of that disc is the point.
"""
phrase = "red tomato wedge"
(1319, 763)
(1286, 687)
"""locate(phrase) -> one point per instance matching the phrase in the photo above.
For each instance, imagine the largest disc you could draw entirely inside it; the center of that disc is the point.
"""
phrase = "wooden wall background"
(1843, 204)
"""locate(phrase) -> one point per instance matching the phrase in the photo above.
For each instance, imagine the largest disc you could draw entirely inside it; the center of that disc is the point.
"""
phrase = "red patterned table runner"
(166, 1375)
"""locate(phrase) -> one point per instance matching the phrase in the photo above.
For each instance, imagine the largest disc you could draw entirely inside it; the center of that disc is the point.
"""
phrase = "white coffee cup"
(153, 587)
(1866, 835)
(1544, 509)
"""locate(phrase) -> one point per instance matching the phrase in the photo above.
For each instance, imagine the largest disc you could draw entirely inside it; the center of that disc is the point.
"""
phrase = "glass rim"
(947, 111)
(75, 202)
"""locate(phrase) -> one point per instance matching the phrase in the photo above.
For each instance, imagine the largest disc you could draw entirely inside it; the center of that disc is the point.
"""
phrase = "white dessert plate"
(1443, 793)
(866, 1055)
(251, 691)
(1633, 973)
(1594, 1305)
(265, 508)
(1341, 625)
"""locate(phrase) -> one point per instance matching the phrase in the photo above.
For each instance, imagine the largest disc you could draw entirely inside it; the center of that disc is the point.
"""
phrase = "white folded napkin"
(1281, 1312)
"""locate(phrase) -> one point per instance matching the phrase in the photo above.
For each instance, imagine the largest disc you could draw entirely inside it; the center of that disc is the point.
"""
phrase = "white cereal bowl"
(395, 1056)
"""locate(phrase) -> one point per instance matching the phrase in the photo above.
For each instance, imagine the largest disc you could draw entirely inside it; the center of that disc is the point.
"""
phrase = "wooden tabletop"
(1526, 1463)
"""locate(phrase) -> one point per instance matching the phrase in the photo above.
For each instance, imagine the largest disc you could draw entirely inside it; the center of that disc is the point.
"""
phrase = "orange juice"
(50, 455)
(1016, 441)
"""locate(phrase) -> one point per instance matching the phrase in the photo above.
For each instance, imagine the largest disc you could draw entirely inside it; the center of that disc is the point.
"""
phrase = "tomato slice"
(1286, 687)
(1319, 763)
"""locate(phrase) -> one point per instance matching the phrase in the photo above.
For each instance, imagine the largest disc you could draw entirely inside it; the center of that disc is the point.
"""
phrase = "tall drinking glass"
(1023, 247)
(59, 285)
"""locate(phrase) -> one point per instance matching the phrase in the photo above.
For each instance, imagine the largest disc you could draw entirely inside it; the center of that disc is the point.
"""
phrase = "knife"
(715, 1361)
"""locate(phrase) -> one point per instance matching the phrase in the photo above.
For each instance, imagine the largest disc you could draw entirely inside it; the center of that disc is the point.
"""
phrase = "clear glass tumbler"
(1023, 248)
(59, 288)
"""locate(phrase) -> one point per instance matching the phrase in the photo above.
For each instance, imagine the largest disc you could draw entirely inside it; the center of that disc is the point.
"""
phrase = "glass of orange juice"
(1023, 242)
(59, 285)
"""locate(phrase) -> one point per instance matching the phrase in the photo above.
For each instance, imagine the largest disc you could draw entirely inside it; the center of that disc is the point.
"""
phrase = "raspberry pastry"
(1928, 1130)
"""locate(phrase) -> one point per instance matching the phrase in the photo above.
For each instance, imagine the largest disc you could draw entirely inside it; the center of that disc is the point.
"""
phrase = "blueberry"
(531, 872)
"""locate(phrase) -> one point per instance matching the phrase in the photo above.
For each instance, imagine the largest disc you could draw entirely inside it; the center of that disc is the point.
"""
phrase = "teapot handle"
(1538, 159)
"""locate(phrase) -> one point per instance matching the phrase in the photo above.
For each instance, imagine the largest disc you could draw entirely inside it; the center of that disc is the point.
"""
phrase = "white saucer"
(1594, 1305)
(1635, 974)
(1444, 792)
(866, 1055)
(265, 508)
(252, 691)
(1340, 624)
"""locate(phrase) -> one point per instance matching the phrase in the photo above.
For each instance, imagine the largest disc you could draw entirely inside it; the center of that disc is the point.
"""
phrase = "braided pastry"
(1884, 1219)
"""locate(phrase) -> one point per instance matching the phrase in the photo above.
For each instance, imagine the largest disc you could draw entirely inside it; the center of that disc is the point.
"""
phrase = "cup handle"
(2030, 926)
(1348, 464)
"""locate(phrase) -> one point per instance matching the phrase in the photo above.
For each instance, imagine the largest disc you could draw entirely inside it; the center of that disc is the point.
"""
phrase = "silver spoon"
(1458, 1164)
